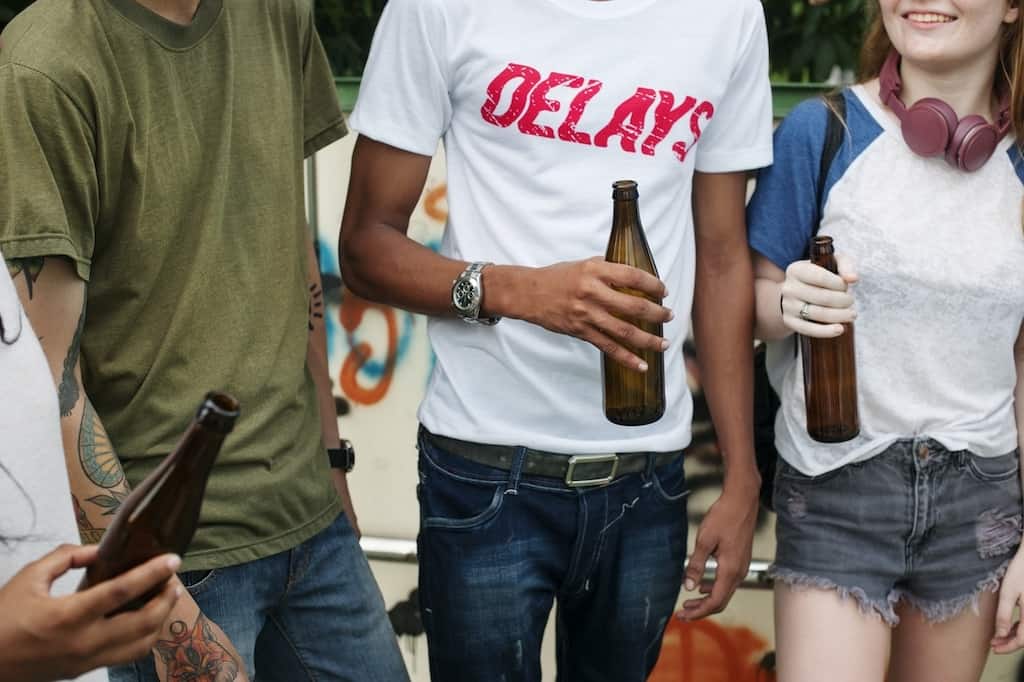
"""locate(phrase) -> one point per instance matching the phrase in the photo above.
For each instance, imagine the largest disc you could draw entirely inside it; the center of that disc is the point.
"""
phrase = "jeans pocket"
(455, 501)
(197, 582)
(993, 469)
(670, 482)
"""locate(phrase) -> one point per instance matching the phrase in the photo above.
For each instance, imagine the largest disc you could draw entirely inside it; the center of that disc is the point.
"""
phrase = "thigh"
(331, 623)
(218, 593)
(952, 651)
(821, 636)
(610, 629)
(490, 559)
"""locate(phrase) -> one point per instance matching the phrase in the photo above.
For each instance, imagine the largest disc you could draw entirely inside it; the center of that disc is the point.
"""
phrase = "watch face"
(464, 295)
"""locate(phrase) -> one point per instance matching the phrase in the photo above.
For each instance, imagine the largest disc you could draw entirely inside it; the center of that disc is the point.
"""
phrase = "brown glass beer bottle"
(162, 512)
(830, 372)
(631, 397)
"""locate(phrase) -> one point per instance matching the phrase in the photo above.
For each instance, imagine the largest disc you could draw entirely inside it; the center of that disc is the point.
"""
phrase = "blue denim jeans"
(311, 613)
(497, 548)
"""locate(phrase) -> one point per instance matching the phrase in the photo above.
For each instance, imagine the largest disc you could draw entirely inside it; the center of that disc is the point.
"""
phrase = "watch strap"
(343, 458)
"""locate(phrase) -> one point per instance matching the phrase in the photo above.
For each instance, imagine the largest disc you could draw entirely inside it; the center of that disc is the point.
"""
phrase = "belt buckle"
(591, 459)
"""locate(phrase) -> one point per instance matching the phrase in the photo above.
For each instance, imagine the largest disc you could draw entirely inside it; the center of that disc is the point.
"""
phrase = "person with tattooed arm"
(152, 217)
(46, 632)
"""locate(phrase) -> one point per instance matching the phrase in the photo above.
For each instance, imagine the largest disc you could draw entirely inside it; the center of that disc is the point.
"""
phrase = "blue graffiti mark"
(330, 273)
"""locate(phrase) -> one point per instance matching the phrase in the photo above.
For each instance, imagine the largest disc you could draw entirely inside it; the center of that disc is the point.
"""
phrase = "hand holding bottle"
(46, 638)
(579, 298)
(816, 302)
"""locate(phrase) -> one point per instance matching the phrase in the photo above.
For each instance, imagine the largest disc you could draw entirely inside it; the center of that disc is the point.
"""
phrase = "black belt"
(578, 471)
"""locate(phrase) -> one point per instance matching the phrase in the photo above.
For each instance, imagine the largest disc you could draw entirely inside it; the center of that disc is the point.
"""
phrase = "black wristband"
(344, 457)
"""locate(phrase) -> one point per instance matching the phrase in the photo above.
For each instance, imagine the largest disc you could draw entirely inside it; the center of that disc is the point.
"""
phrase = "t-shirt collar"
(168, 33)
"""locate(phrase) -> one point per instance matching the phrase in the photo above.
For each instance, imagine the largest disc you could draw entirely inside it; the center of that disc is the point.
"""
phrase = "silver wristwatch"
(468, 293)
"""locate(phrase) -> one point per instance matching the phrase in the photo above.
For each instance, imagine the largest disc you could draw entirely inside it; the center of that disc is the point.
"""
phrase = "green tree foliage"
(346, 28)
(806, 41)
(8, 8)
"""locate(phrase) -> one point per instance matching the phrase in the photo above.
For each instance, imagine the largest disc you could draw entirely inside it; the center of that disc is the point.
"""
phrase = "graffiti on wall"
(368, 341)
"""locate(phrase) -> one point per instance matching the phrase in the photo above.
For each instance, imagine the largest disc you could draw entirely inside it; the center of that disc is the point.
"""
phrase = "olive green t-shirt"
(167, 163)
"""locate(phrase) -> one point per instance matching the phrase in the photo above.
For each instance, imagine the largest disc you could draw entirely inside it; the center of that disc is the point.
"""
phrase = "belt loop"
(652, 461)
(516, 471)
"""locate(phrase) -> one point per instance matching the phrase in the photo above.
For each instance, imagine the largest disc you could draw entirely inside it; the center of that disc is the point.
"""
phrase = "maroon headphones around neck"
(931, 127)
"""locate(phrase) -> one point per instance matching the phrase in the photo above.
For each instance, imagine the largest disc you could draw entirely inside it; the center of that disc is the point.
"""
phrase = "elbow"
(351, 272)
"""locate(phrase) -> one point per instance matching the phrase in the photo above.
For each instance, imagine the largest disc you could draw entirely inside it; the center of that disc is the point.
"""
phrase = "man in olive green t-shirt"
(152, 215)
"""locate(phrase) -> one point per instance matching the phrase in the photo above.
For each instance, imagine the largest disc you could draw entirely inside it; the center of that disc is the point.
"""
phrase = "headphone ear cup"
(928, 127)
(973, 143)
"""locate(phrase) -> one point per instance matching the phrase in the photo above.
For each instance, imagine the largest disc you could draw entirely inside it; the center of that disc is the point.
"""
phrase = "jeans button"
(922, 451)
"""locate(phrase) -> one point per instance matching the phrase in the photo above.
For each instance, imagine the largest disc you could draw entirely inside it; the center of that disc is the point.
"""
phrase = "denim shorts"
(916, 522)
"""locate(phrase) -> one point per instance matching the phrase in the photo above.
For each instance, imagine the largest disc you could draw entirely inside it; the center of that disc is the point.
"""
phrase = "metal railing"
(404, 551)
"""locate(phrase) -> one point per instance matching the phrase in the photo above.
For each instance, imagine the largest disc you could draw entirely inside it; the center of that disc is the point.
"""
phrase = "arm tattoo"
(89, 533)
(316, 304)
(30, 267)
(68, 391)
(99, 462)
(196, 654)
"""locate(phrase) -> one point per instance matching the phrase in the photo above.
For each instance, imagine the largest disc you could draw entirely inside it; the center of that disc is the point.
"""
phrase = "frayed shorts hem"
(934, 611)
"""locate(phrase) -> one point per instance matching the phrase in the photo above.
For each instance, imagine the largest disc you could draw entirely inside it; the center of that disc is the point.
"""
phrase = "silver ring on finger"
(805, 311)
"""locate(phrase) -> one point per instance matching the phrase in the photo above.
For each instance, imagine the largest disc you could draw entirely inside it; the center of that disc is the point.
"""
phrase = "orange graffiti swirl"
(350, 314)
(432, 203)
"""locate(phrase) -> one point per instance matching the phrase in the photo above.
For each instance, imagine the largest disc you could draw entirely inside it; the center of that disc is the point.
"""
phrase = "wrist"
(744, 481)
(500, 292)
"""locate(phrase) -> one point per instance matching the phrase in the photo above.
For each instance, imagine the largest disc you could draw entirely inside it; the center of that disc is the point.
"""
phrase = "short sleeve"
(404, 95)
(782, 213)
(322, 120)
(739, 135)
(49, 192)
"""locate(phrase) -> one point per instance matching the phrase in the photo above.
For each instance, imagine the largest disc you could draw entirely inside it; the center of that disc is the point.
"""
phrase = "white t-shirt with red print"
(542, 105)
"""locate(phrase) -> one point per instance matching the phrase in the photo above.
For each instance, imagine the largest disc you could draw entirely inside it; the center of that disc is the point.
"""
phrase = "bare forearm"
(723, 318)
(768, 324)
(723, 331)
(316, 352)
(380, 263)
(54, 300)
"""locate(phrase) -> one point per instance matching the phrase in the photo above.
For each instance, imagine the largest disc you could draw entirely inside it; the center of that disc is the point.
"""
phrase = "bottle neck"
(625, 210)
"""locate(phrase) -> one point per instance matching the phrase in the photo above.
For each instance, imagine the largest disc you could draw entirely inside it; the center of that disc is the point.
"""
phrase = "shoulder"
(60, 42)
(743, 16)
(804, 126)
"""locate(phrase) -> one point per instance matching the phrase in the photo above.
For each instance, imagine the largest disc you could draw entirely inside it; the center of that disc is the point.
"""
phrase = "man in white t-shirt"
(527, 493)
(42, 635)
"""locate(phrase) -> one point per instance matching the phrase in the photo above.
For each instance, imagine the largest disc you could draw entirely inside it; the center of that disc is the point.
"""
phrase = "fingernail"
(642, 366)
(671, 315)
(177, 592)
(174, 562)
(690, 585)
(664, 344)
